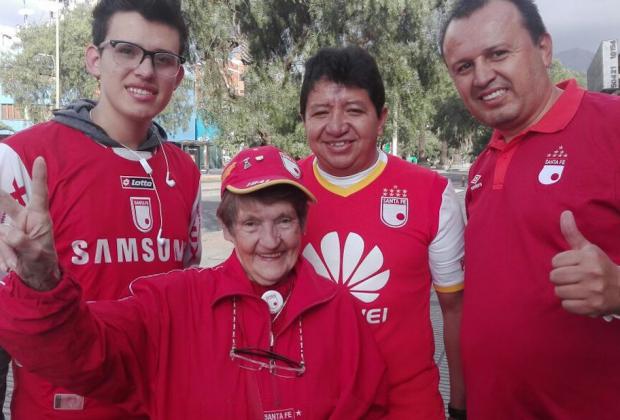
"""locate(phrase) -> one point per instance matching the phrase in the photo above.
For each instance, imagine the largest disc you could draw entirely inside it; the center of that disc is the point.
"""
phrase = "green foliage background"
(274, 38)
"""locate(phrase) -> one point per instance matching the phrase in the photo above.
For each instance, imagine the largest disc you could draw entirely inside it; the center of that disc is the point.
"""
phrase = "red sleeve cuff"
(30, 311)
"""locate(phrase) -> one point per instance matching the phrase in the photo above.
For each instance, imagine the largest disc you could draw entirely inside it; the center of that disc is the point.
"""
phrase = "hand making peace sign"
(27, 242)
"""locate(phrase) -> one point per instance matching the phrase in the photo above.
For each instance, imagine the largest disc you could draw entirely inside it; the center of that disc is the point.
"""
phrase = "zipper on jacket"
(273, 379)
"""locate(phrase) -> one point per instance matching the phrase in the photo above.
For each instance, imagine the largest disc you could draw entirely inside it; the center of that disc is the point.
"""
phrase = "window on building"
(11, 112)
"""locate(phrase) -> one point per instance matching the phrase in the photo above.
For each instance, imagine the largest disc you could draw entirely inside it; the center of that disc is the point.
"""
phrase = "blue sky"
(572, 23)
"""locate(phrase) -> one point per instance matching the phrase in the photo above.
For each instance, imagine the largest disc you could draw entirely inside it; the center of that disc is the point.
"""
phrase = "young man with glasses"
(123, 201)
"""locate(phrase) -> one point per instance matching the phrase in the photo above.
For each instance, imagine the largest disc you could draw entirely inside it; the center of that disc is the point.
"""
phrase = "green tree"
(281, 34)
(27, 73)
(558, 73)
(457, 129)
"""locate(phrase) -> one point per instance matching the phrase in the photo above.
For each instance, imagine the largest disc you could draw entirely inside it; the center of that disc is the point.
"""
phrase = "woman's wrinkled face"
(267, 239)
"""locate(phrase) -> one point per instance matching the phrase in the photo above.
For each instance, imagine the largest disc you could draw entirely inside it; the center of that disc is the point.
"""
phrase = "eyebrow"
(494, 47)
(327, 104)
(356, 102)
(485, 52)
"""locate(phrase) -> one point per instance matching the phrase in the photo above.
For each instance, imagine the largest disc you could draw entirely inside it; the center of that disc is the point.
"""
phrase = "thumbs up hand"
(586, 280)
(27, 244)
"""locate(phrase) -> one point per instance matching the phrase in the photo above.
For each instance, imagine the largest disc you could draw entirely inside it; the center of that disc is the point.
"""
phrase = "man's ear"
(382, 119)
(546, 48)
(93, 60)
(179, 78)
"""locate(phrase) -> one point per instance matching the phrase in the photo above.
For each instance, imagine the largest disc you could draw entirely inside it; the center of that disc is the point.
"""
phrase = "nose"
(270, 237)
(483, 74)
(337, 124)
(146, 67)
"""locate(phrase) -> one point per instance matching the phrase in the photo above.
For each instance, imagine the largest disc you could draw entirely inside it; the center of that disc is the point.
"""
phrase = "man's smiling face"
(499, 72)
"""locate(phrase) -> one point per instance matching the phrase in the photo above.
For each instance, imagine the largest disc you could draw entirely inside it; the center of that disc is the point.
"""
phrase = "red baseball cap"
(261, 167)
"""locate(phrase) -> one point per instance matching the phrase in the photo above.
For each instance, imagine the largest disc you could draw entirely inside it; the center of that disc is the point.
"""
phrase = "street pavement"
(216, 249)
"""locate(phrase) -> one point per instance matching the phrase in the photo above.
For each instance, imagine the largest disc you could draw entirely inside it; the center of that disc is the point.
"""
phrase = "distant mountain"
(576, 59)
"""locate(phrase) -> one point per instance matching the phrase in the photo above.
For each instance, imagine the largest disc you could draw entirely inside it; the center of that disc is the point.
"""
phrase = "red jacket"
(168, 345)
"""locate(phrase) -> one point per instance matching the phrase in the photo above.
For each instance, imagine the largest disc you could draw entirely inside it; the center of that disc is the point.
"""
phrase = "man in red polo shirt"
(541, 244)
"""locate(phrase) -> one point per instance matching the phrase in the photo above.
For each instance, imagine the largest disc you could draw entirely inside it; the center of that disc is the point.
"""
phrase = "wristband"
(457, 413)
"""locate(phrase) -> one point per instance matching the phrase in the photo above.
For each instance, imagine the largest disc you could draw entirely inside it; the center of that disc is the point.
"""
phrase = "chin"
(269, 282)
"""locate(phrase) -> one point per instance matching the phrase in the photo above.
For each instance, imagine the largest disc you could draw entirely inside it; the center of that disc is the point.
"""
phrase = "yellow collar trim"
(351, 189)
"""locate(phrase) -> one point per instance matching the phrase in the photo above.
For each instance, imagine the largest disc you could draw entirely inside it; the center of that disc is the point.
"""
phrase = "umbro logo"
(475, 183)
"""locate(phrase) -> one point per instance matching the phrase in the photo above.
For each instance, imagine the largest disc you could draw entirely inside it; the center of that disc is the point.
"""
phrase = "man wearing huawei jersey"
(384, 228)
(124, 202)
(538, 339)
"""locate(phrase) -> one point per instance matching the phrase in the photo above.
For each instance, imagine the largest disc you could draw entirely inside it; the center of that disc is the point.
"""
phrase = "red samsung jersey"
(106, 214)
(374, 238)
(524, 356)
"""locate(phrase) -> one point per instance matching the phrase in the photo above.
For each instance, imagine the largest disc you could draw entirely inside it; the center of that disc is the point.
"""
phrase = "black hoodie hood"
(77, 115)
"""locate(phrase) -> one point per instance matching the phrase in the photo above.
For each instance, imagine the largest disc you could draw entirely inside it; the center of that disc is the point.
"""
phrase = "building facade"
(603, 71)
(12, 117)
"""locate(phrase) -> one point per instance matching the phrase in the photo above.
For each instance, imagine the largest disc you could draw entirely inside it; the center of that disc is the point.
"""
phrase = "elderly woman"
(253, 338)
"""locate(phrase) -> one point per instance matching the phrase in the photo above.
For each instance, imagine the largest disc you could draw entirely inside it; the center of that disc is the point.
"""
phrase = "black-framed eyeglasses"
(253, 358)
(130, 55)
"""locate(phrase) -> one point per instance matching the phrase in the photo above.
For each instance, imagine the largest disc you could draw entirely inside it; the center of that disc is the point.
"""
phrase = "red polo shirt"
(524, 356)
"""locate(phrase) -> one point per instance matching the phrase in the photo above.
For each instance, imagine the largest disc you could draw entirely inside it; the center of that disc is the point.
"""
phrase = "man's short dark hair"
(351, 66)
(167, 12)
(527, 8)
(228, 209)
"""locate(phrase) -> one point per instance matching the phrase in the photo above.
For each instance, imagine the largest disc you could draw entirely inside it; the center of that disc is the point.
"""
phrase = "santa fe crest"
(394, 207)
(142, 213)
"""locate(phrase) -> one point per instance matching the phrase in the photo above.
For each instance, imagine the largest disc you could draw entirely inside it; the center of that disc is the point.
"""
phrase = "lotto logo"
(136, 183)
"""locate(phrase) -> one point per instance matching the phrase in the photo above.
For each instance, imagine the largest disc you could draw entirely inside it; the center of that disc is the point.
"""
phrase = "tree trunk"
(443, 155)
(395, 131)
(421, 148)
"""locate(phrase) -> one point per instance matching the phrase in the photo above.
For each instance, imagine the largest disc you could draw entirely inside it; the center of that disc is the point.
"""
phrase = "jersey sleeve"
(446, 251)
(193, 252)
(102, 349)
(14, 177)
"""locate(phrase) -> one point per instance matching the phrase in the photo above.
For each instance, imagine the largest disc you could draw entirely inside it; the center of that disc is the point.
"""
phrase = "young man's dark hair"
(527, 8)
(162, 11)
(351, 66)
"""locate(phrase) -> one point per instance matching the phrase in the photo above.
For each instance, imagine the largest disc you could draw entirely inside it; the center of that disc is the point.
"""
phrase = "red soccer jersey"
(524, 356)
(374, 238)
(106, 215)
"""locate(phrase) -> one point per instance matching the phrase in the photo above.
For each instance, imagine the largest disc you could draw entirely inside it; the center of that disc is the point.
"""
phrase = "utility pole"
(58, 6)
